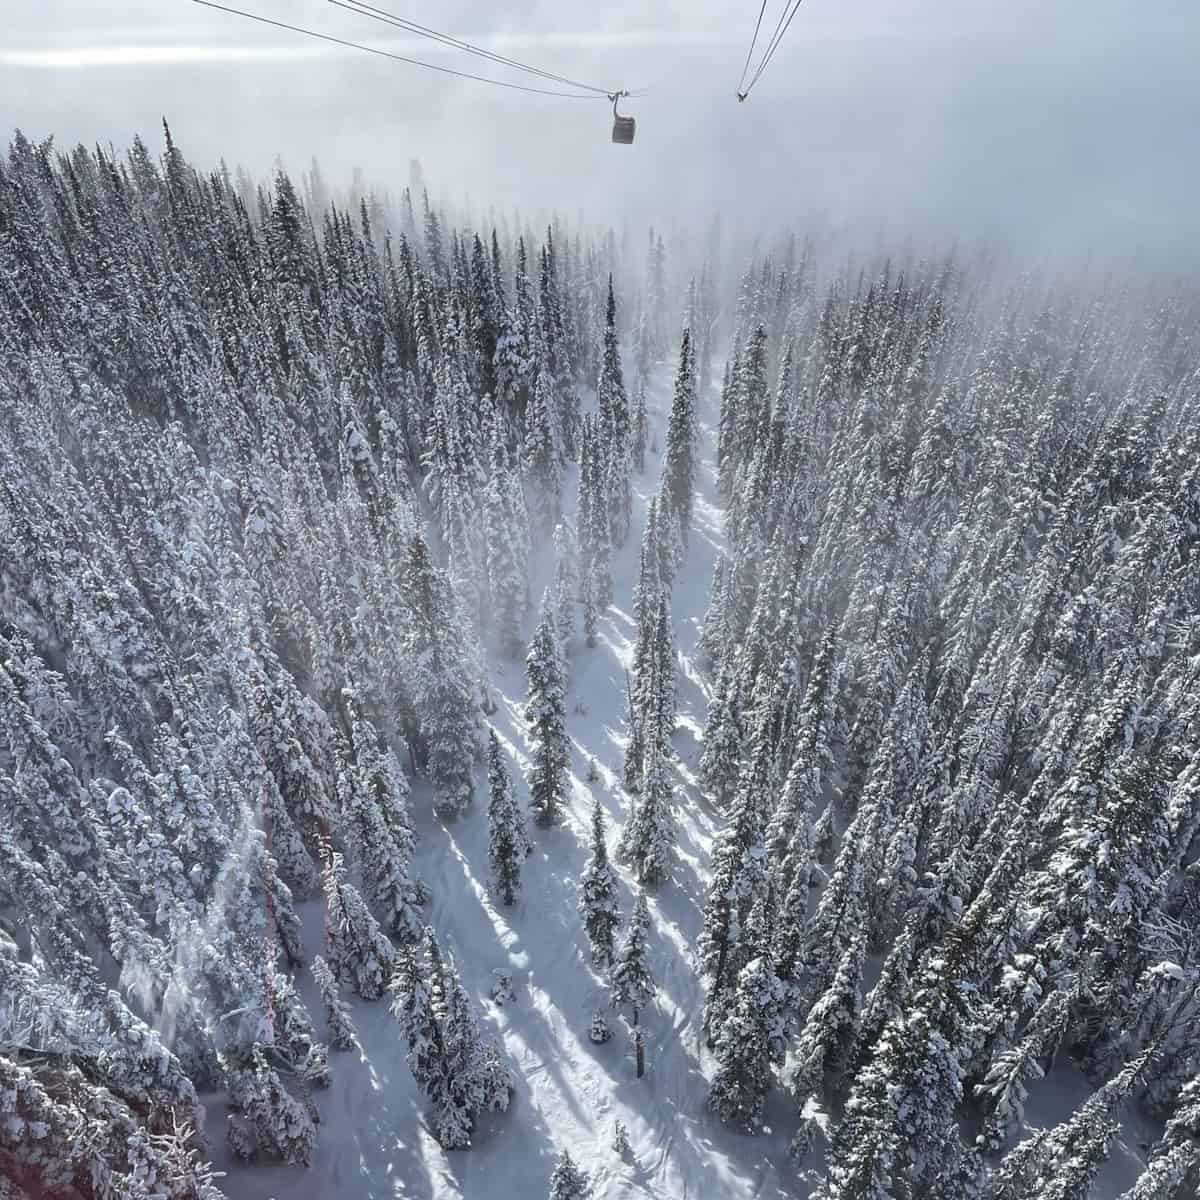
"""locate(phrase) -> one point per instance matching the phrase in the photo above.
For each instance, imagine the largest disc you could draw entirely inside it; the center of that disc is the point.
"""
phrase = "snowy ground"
(374, 1144)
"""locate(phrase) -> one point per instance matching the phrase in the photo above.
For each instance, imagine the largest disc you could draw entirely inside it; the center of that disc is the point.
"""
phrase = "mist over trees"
(278, 476)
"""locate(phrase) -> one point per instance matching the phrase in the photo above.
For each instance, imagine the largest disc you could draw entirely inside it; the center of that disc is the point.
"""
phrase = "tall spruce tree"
(751, 1040)
(508, 842)
(679, 458)
(648, 839)
(545, 712)
(632, 983)
(462, 1074)
(337, 1015)
(358, 950)
(598, 904)
(640, 434)
(446, 729)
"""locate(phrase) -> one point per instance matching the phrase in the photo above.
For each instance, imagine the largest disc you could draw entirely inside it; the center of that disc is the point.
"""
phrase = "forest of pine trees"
(276, 479)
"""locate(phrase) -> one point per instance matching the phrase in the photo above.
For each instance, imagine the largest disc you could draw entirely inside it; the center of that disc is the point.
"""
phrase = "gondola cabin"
(623, 127)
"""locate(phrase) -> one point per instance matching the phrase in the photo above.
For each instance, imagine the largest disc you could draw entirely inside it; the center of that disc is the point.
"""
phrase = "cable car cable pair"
(790, 9)
(623, 127)
(382, 15)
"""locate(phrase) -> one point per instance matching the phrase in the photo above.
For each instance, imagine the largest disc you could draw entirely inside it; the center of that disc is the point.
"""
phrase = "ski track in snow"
(374, 1144)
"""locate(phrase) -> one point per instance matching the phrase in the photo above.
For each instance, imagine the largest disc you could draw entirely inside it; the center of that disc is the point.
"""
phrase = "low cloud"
(1062, 127)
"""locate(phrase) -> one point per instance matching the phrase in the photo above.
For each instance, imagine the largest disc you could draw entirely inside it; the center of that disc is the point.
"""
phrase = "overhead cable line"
(412, 62)
(388, 18)
(785, 19)
(780, 30)
(750, 53)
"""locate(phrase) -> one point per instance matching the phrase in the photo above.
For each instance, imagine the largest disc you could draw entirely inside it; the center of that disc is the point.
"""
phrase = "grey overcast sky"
(1064, 124)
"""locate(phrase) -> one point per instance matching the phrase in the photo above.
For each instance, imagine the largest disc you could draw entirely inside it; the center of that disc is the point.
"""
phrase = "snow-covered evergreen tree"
(270, 1120)
(620, 1142)
(542, 457)
(376, 793)
(545, 711)
(679, 458)
(632, 983)
(721, 757)
(566, 583)
(447, 731)
(508, 842)
(598, 903)
(460, 1073)
(648, 838)
(641, 429)
(358, 951)
(751, 1038)
(567, 1181)
(337, 1013)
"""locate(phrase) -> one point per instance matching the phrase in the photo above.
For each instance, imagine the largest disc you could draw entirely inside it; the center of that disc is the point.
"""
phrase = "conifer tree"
(660, 709)
(278, 1124)
(830, 1027)
(377, 796)
(617, 485)
(337, 1015)
(567, 1181)
(713, 643)
(648, 839)
(751, 1038)
(752, 406)
(645, 600)
(738, 879)
(652, 697)
(721, 756)
(590, 596)
(620, 1142)
(566, 583)
(679, 460)
(641, 429)
(358, 950)
(545, 711)
(593, 525)
(515, 358)
(610, 390)
(447, 726)
(542, 457)
(433, 238)
(1004, 1086)
(507, 841)
(632, 983)
(598, 905)
(1168, 1176)
(460, 1073)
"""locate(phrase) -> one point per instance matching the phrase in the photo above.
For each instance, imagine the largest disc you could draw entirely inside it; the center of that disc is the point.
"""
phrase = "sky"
(1061, 126)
